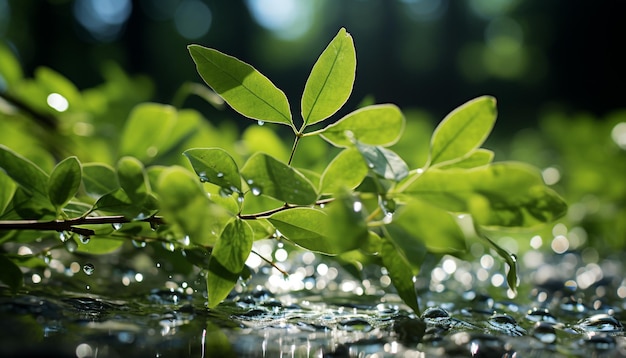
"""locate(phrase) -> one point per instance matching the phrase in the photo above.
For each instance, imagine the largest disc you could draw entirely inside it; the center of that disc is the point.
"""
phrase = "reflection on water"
(570, 304)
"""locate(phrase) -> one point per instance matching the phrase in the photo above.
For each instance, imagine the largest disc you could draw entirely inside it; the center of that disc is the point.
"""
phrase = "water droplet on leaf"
(260, 122)
(71, 245)
(256, 191)
(117, 226)
(88, 269)
(84, 239)
(169, 246)
(138, 243)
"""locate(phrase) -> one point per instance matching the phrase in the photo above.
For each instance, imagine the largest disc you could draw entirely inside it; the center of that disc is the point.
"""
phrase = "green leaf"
(262, 229)
(185, 204)
(330, 83)
(348, 228)
(501, 194)
(512, 277)
(267, 176)
(117, 202)
(434, 227)
(477, 158)
(99, 179)
(374, 125)
(401, 273)
(10, 274)
(244, 88)
(53, 82)
(7, 189)
(463, 130)
(64, 181)
(347, 170)
(98, 245)
(9, 66)
(147, 129)
(308, 228)
(133, 179)
(384, 162)
(215, 165)
(228, 259)
(24, 172)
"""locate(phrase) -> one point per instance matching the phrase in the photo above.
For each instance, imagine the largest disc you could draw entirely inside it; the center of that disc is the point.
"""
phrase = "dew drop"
(71, 245)
(117, 226)
(186, 241)
(88, 287)
(84, 239)
(169, 246)
(138, 243)
(220, 175)
(256, 191)
(357, 206)
(63, 236)
(225, 192)
(370, 165)
(88, 269)
(260, 122)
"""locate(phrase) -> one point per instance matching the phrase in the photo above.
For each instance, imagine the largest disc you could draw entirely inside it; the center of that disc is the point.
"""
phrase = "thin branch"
(70, 224)
(268, 213)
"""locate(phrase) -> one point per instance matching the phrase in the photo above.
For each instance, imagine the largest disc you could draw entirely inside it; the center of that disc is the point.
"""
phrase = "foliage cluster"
(364, 206)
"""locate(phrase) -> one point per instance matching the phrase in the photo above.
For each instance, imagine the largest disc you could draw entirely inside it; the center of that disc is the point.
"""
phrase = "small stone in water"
(89, 269)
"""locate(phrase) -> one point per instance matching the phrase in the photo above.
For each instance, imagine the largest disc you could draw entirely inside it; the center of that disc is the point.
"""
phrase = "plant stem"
(265, 214)
(70, 224)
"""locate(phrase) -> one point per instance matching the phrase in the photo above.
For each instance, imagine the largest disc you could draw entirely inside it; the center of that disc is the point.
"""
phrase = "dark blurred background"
(429, 54)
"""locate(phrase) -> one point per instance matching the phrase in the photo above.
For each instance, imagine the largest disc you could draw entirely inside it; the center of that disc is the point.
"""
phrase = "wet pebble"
(601, 323)
(504, 323)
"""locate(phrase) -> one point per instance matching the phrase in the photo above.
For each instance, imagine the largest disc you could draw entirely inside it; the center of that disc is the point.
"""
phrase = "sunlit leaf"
(347, 170)
(99, 245)
(24, 172)
(147, 130)
(308, 228)
(216, 166)
(463, 130)
(476, 158)
(374, 125)
(267, 176)
(185, 204)
(228, 259)
(501, 194)
(384, 162)
(401, 273)
(7, 189)
(330, 83)
(348, 227)
(99, 179)
(262, 229)
(10, 274)
(118, 203)
(133, 179)
(431, 225)
(64, 181)
(512, 277)
(244, 88)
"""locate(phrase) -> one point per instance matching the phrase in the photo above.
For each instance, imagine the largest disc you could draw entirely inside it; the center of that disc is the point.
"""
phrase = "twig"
(70, 224)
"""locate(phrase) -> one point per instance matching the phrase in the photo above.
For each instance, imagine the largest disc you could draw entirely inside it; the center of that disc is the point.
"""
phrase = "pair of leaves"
(263, 173)
(46, 193)
(253, 95)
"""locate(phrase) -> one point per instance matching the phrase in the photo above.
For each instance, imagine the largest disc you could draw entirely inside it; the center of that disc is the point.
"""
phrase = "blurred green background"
(431, 54)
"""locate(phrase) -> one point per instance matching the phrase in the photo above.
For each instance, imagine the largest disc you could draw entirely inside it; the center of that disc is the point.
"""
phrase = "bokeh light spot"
(103, 19)
(618, 133)
(193, 19)
(57, 102)
(286, 19)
